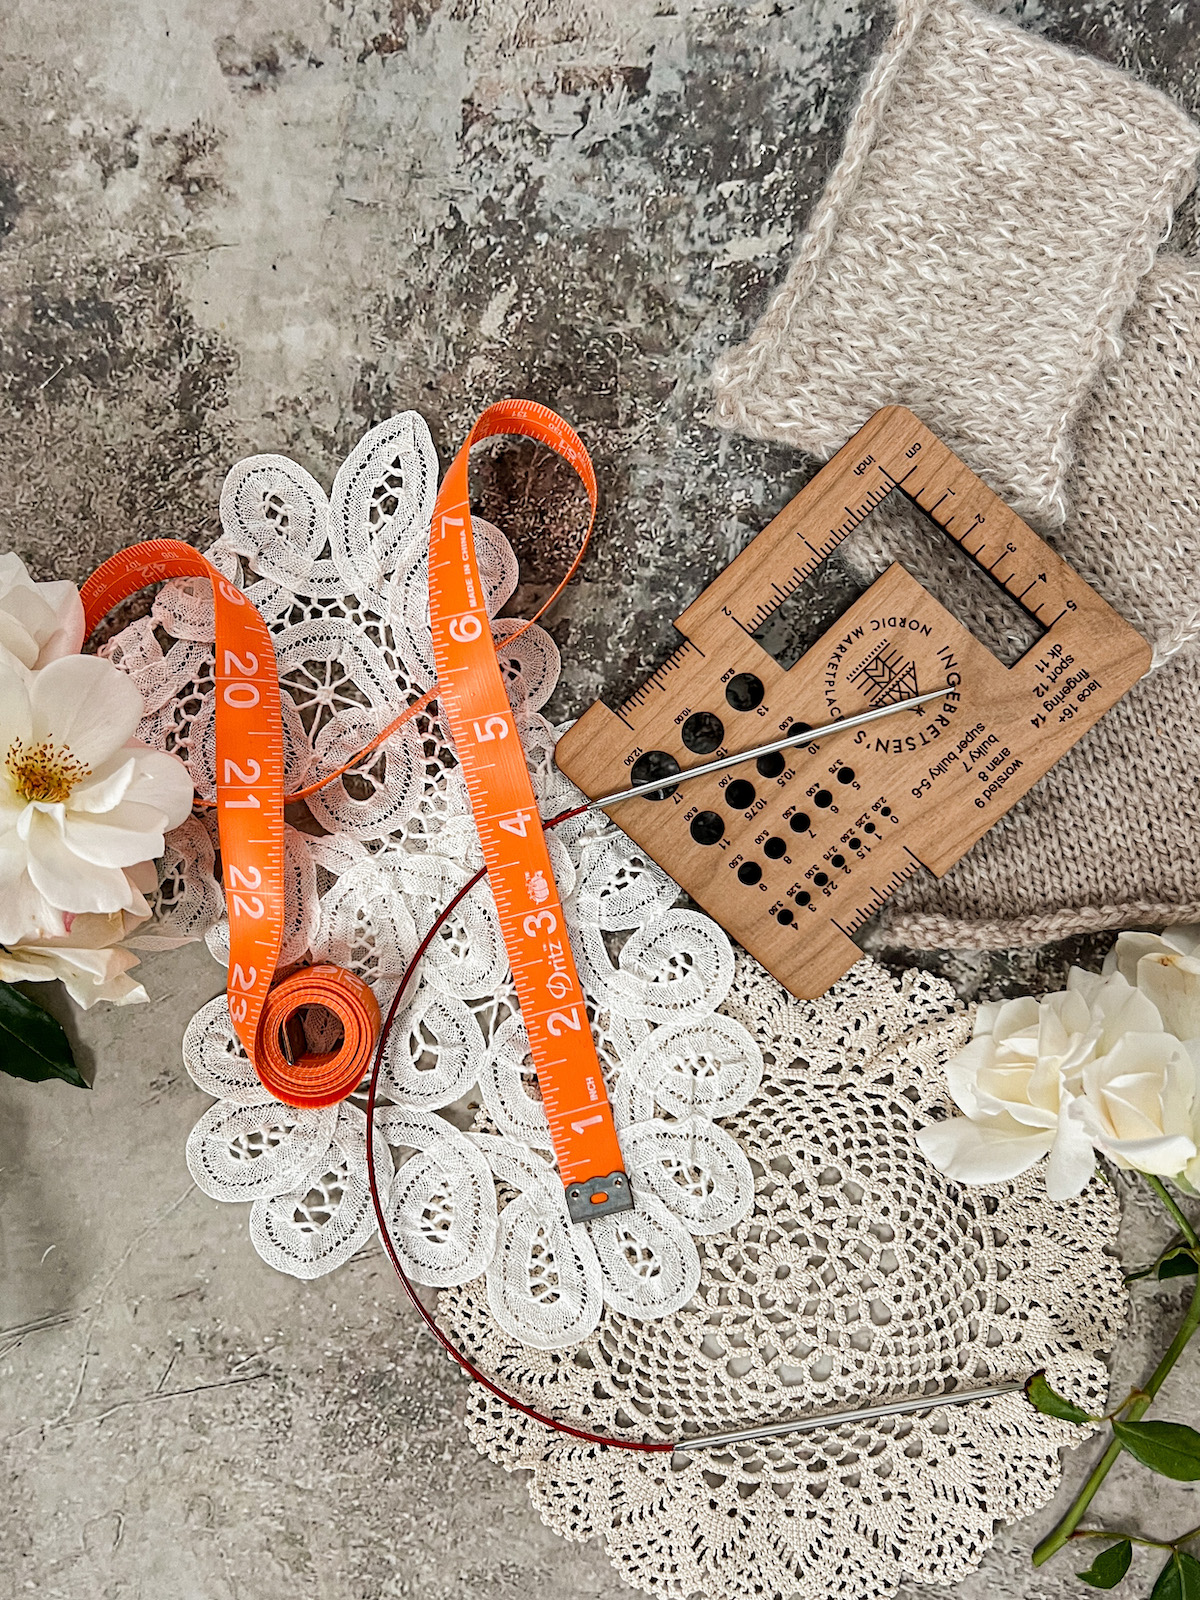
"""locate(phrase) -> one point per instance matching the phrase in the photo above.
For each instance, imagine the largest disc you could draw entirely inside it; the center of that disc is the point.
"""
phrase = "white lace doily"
(342, 584)
(861, 1274)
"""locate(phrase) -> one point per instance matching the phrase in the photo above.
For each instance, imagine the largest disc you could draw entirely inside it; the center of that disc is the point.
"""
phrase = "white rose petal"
(23, 911)
(1166, 969)
(117, 837)
(85, 703)
(1072, 1156)
(64, 879)
(972, 1152)
(89, 960)
(16, 718)
(1140, 1101)
(1058, 1077)
(38, 621)
(103, 793)
(1117, 1007)
(162, 781)
(1098, 1066)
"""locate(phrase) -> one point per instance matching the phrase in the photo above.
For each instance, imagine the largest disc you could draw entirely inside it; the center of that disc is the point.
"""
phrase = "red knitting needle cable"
(430, 1321)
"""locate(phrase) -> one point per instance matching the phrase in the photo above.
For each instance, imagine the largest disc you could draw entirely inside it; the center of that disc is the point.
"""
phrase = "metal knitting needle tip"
(833, 1419)
(791, 740)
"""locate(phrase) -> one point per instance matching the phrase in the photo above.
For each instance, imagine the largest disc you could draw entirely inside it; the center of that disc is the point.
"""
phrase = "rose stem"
(1054, 1541)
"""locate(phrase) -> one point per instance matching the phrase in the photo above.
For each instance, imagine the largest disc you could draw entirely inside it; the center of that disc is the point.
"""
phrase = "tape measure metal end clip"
(599, 1197)
(292, 1040)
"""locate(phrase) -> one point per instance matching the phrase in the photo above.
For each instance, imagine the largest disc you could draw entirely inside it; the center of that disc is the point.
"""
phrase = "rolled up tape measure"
(250, 800)
(475, 709)
(296, 1075)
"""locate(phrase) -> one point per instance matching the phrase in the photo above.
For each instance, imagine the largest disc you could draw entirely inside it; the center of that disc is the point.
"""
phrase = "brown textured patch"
(114, 150)
(253, 68)
(576, 80)
(420, 13)
(536, 501)
(192, 167)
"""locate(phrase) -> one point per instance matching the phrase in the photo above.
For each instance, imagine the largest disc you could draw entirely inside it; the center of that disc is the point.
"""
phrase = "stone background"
(226, 227)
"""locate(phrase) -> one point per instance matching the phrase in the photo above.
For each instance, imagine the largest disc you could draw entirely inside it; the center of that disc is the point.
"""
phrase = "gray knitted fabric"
(993, 217)
(1110, 837)
(1133, 529)
(972, 255)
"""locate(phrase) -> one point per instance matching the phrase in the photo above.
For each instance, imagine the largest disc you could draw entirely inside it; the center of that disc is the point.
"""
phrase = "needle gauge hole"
(703, 732)
(654, 765)
(707, 827)
(744, 692)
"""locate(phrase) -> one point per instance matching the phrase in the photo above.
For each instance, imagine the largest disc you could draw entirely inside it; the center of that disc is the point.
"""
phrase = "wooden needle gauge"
(792, 852)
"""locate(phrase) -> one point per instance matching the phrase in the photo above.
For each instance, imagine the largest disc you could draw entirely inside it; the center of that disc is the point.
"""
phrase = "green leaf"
(1169, 1448)
(1177, 1263)
(1047, 1400)
(1109, 1567)
(32, 1042)
(1179, 1579)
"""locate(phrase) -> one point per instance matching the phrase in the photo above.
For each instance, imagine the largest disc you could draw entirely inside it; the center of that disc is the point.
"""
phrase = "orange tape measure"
(476, 712)
(250, 799)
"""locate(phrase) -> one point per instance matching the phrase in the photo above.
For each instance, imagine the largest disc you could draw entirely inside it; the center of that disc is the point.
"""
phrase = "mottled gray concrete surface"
(230, 226)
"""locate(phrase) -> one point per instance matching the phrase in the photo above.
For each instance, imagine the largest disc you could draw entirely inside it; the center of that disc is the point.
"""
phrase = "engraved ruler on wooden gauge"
(793, 852)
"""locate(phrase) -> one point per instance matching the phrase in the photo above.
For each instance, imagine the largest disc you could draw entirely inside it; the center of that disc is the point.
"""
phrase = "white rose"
(88, 958)
(1019, 1080)
(38, 621)
(1166, 968)
(1140, 1101)
(82, 804)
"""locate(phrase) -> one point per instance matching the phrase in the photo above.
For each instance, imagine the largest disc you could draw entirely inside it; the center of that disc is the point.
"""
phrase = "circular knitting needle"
(793, 740)
(834, 1419)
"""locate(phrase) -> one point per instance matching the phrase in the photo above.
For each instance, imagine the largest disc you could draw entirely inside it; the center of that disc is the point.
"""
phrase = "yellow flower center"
(44, 771)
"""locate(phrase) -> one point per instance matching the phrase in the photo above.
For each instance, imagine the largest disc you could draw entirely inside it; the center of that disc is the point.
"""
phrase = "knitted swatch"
(1110, 837)
(1133, 529)
(972, 255)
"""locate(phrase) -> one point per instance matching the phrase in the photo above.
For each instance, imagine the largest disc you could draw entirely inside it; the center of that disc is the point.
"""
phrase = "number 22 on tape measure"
(475, 707)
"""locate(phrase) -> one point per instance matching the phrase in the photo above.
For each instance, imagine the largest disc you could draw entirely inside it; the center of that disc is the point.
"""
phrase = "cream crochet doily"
(861, 1274)
(791, 1249)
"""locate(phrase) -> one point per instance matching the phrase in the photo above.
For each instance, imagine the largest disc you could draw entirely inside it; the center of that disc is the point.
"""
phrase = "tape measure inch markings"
(250, 799)
(476, 710)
